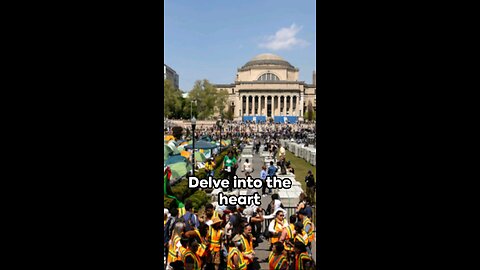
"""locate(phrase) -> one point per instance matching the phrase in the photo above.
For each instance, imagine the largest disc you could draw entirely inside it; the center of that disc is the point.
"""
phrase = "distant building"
(268, 86)
(171, 75)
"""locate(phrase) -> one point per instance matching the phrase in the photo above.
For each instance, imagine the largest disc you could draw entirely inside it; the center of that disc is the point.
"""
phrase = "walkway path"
(261, 252)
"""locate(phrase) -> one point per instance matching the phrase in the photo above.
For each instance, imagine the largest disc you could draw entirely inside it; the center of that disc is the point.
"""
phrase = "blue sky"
(210, 39)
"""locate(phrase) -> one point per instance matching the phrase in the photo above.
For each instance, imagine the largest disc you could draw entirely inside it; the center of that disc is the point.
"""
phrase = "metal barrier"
(291, 211)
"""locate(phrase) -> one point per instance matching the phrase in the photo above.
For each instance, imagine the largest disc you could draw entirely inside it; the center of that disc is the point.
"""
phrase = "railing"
(291, 211)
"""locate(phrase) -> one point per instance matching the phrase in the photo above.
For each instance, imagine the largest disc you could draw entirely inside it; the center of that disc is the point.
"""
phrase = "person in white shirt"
(277, 225)
(247, 166)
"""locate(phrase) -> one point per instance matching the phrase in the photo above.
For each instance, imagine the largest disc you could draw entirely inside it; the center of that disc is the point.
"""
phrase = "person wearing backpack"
(190, 219)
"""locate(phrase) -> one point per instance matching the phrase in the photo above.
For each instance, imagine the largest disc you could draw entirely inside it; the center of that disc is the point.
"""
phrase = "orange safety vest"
(278, 228)
(172, 253)
(299, 259)
(214, 239)
(276, 262)
(241, 262)
(247, 247)
(202, 247)
(197, 263)
(181, 254)
(290, 230)
(302, 238)
(311, 235)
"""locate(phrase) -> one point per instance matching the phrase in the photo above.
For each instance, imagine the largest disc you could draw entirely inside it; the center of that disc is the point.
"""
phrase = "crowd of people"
(232, 129)
(226, 239)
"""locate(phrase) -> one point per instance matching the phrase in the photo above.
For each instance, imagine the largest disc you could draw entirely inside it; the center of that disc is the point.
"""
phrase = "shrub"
(199, 199)
(167, 201)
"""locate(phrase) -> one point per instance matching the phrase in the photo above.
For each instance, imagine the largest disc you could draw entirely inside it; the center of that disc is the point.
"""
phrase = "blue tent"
(201, 145)
(205, 138)
(175, 159)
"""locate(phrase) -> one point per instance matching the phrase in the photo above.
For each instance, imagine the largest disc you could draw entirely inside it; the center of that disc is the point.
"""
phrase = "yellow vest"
(214, 239)
(247, 247)
(299, 259)
(172, 254)
(310, 233)
(303, 238)
(197, 263)
(276, 262)
(241, 262)
(181, 211)
(278, 228)
(202, 247)
(290, 230)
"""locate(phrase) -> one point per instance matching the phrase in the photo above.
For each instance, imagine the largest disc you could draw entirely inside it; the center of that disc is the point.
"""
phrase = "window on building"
(268, 77)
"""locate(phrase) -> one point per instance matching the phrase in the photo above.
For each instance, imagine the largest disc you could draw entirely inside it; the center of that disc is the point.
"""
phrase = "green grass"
(301, 167)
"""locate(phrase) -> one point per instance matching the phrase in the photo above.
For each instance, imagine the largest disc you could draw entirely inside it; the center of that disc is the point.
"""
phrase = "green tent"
(179, 169)
(200, 157)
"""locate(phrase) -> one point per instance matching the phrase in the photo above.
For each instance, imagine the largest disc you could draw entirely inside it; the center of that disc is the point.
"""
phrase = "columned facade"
(268, 87)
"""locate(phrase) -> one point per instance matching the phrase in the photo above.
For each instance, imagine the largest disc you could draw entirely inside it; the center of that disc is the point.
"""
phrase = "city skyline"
(210, 40)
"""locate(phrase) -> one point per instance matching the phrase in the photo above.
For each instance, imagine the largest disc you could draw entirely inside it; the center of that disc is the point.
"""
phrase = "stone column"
(253, 105)
(292, 112)
(286, 106)
(302, 100)
(265, 100)
(279, 104)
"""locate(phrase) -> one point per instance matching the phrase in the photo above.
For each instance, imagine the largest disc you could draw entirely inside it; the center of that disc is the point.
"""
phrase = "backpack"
(189, 221)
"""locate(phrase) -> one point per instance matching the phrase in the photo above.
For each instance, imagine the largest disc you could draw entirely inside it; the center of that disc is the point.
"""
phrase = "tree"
(209, 99)
(230, 113)
(172, 100)
(222, 97)
(310, 111)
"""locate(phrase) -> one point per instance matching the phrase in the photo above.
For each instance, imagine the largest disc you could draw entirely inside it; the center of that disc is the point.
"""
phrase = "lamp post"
(191, 110)
(220, 126)
(194, 122)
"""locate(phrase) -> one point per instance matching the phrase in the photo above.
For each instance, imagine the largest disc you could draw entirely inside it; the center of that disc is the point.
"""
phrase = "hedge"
(198, 197)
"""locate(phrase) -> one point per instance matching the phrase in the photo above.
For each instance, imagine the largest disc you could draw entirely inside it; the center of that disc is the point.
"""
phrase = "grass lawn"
(301, 168)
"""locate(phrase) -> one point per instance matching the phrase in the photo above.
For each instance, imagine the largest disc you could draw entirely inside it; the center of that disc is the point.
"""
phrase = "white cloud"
(285, 38)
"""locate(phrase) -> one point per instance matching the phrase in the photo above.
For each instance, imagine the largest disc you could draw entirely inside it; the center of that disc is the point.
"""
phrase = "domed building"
(268, 86)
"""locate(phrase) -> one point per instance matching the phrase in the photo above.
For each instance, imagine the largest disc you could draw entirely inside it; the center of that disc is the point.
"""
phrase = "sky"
(210, 39)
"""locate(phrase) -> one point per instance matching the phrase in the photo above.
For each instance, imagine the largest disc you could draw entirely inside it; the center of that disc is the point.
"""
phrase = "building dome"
(267, 56)
(267, 60)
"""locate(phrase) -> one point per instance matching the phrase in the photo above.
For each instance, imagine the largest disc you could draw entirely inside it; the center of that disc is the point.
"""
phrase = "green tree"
(221, 101)
(310, 111)
(172, 100)
(209, 100)
(230, 113)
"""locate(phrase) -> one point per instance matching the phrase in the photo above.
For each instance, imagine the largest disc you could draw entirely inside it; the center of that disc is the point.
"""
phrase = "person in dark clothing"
(310, 182)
